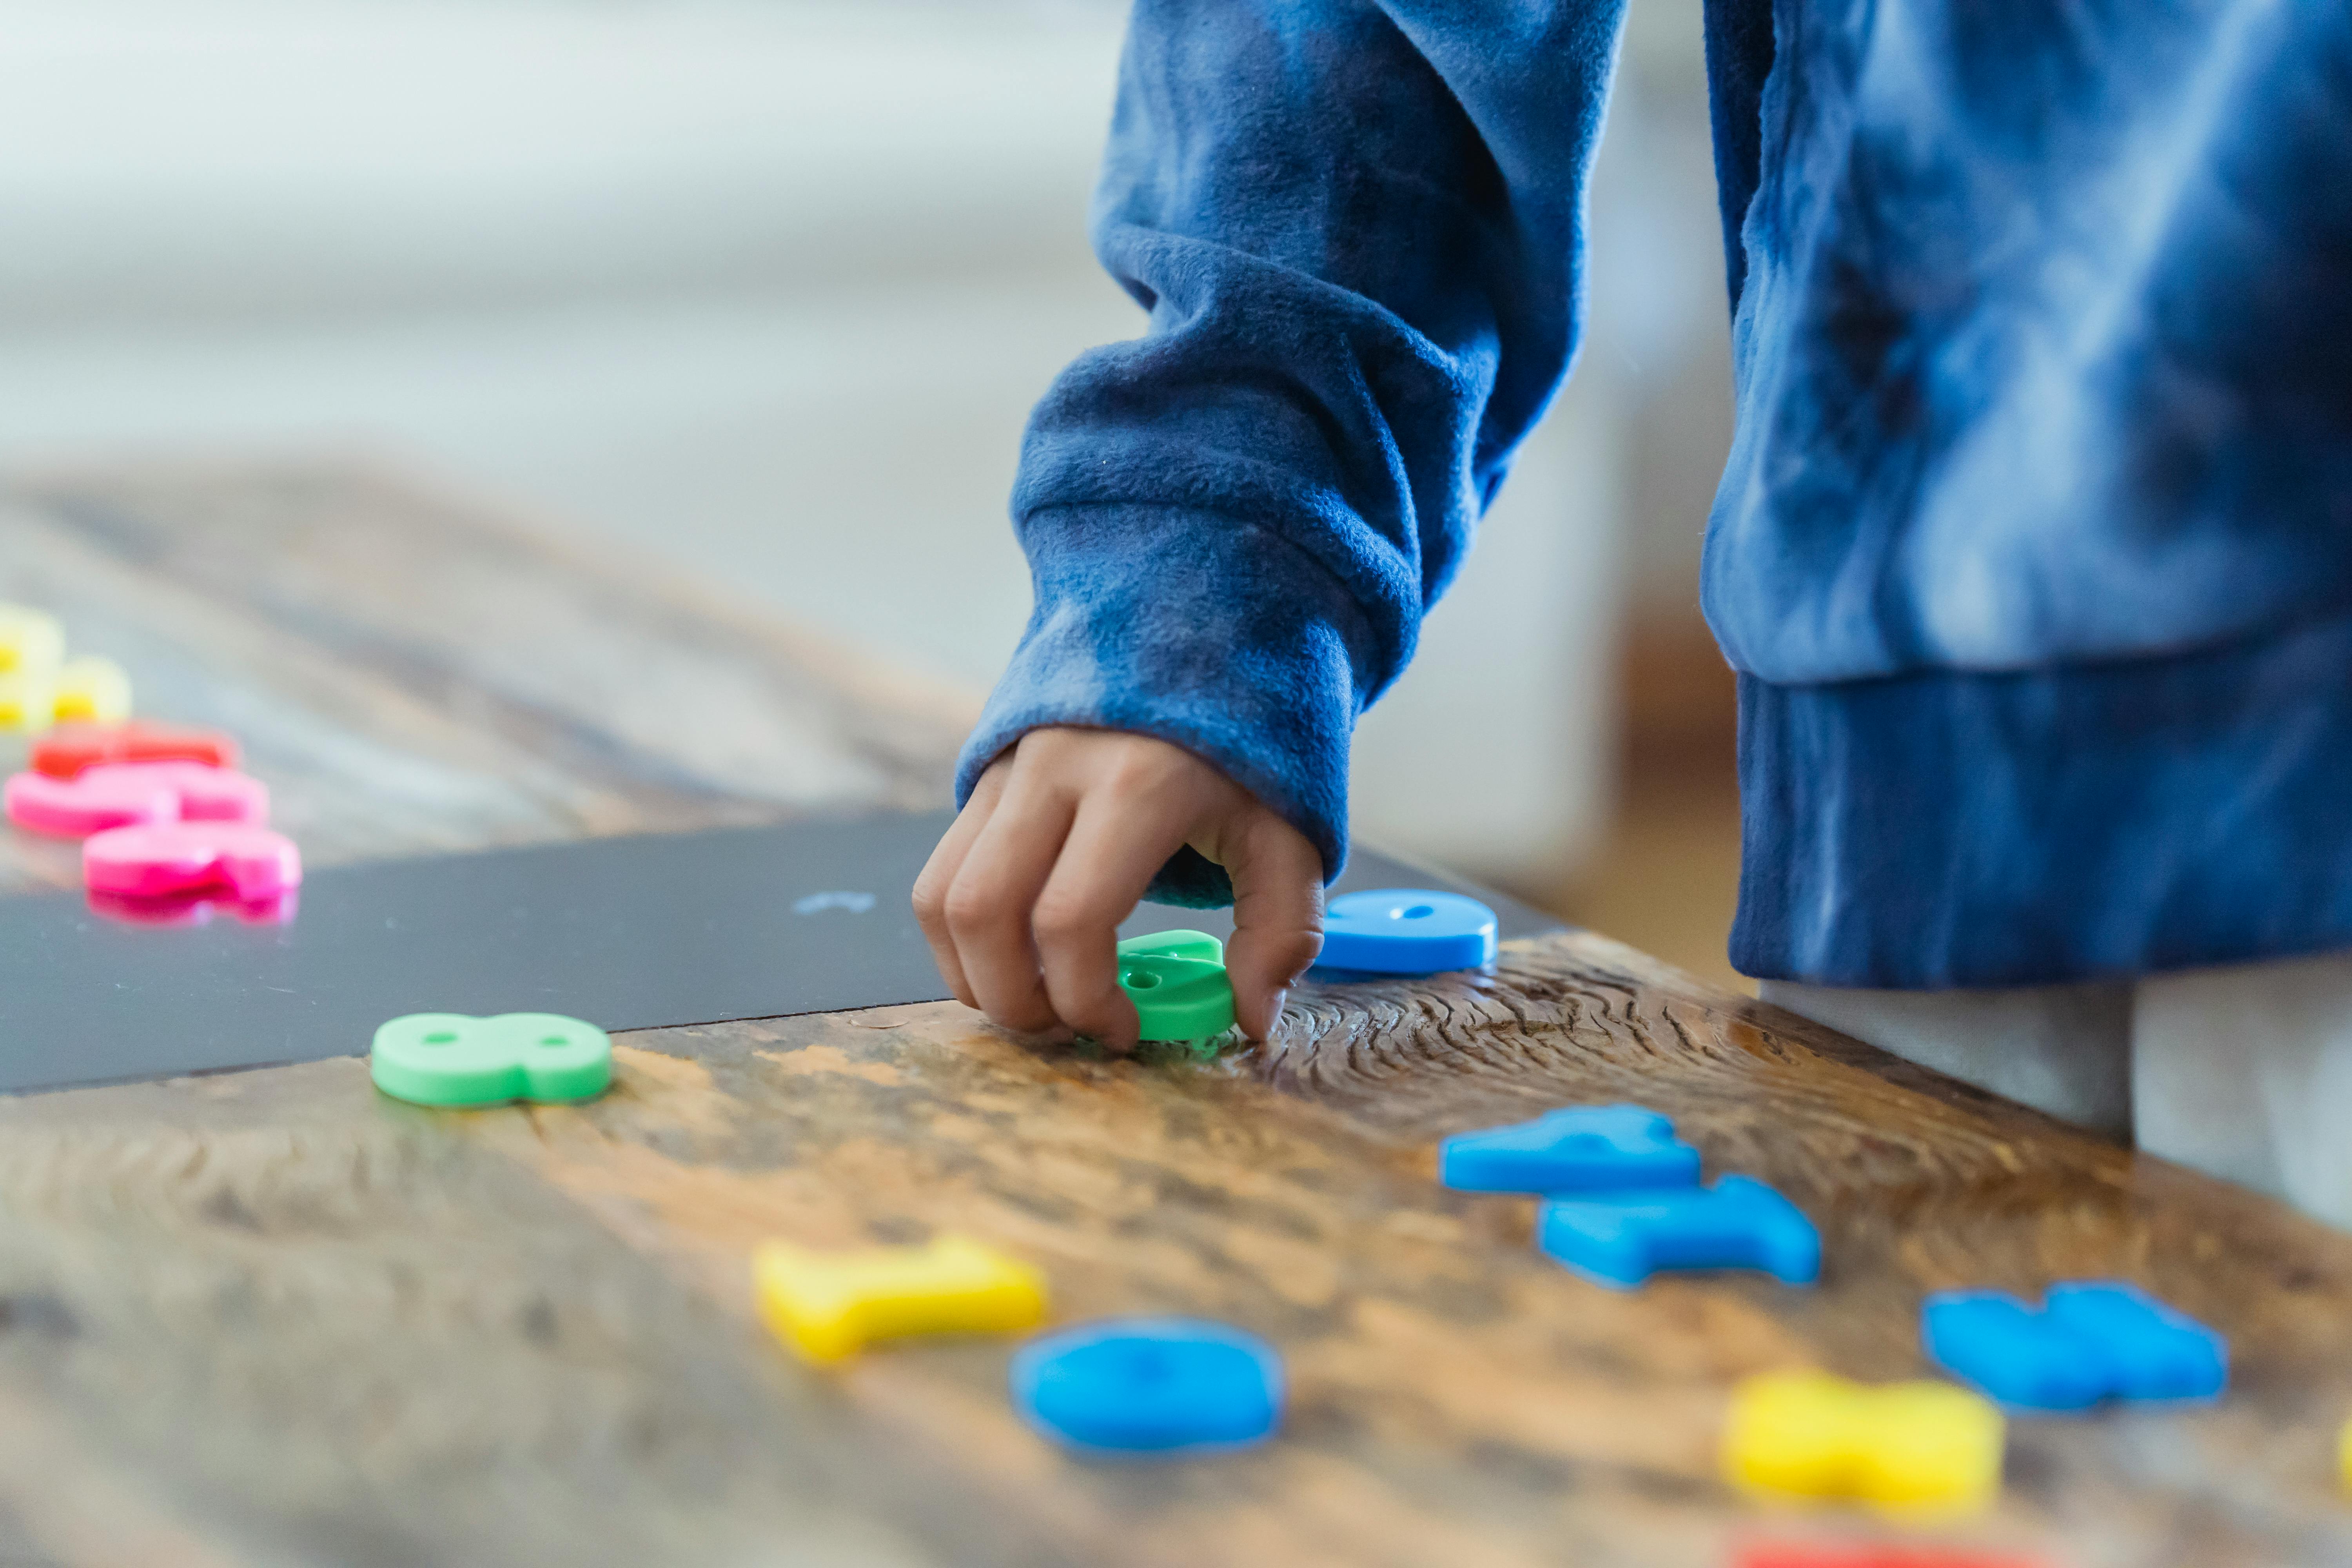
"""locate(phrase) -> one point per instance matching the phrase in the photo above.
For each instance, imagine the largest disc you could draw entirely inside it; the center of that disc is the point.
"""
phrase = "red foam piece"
(1850, 1554)
(116, 795)
(66, 751)
(161, 859)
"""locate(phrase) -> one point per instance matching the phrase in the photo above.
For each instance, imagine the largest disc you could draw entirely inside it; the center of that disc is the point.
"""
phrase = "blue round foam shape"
(1407, 930)
(1144, 1386)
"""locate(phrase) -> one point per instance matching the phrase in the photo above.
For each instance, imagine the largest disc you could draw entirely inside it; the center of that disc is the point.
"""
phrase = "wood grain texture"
(270, 1318)
(412, 672)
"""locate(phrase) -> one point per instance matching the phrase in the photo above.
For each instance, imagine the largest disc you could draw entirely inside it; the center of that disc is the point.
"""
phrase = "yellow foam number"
(1904, 1447)
(91, 691)
(39, 686)
(28, 698)
(32, 648)
(827, 1305)
(29, 639)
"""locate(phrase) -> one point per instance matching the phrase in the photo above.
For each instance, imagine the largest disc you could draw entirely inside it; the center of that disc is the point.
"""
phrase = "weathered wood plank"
(317, 1327)
(374, 1312)
(412, 673)
(269, 1318)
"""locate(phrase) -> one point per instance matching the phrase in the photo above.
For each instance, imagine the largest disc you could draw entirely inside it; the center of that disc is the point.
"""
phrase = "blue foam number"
(1589, 1148)
(1406, 930)
(1149, 1386)
(1620, 1240)
(2090, 1342)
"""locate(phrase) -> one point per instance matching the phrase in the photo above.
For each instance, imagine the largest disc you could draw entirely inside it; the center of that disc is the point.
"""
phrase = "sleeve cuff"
(1204, 631)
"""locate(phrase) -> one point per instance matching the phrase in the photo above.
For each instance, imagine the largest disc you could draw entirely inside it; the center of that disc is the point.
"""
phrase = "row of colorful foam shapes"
(1621, 1171)
(1133, 1387)
(1157, 1386)
(1172, 1385)
(39, 686)
(167, 822)
(1622, 1200)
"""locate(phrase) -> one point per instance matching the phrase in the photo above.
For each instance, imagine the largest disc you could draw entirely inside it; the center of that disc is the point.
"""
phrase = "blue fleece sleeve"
(1357, 228)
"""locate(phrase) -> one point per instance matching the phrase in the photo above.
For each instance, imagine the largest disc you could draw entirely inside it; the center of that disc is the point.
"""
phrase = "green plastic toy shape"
(454, 1059)
(1177, 980)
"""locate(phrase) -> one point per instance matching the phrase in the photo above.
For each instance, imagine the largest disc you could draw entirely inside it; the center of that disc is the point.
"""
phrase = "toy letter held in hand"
(1177, 980)
(69, 749)
(119, 795)
(455, 1059)
(161, 859)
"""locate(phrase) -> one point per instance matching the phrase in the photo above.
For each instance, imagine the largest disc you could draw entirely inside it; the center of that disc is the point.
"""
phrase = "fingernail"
(1274, 1013)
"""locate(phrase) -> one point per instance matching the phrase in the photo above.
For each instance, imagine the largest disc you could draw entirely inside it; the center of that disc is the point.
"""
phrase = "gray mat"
(628, 933)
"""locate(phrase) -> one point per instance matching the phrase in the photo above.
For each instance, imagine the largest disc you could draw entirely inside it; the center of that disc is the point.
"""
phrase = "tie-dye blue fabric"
(2046, 346)
(2037, 533)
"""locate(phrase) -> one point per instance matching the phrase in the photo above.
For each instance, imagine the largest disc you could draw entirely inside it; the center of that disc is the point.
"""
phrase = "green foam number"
(453, 1059)
(1177, 980)
(1193, 944)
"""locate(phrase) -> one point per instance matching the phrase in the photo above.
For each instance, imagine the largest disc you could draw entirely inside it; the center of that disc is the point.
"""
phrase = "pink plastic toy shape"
(117, 794)
(158, 859)
(196, 909)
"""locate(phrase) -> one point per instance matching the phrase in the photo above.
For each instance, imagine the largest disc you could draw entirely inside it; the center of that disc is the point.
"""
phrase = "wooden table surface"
(268, 1318)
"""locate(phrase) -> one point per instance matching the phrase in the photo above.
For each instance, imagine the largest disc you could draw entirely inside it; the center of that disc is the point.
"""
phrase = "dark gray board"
(629, 933)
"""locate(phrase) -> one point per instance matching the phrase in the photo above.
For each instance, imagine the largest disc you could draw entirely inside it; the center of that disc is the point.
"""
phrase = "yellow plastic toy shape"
(29, 640)
(1907, 1448)
(32, 649)
(2343, 1455)
(828, 1305)
(28, 698)
(92, 690)
(39, 686)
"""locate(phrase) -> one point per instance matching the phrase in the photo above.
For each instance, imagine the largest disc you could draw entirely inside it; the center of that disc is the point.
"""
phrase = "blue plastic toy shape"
(1406, 930)
(1586, 1149)
(2090, 1342)
(1620, 1240)
(1149, 1386)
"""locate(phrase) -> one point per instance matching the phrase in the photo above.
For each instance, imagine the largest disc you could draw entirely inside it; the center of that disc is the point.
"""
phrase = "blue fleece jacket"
(2034, 550)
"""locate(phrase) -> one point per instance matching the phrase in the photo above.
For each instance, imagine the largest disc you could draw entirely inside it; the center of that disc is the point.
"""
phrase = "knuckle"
(970, 909)
(1065, 918)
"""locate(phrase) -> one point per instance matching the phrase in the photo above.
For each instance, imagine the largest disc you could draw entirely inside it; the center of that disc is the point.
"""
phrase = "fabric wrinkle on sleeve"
(1357, 230)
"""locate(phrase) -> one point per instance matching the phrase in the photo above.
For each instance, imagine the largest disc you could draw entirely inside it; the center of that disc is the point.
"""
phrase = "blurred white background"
(766, 290)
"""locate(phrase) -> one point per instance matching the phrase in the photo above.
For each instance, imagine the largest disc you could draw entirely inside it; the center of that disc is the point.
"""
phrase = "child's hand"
(1022, 898)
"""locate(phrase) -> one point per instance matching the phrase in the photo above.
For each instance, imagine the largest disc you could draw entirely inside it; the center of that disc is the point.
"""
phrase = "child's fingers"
(1277, 918)
(939, 874)
(1115, 848)
(988, 904)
